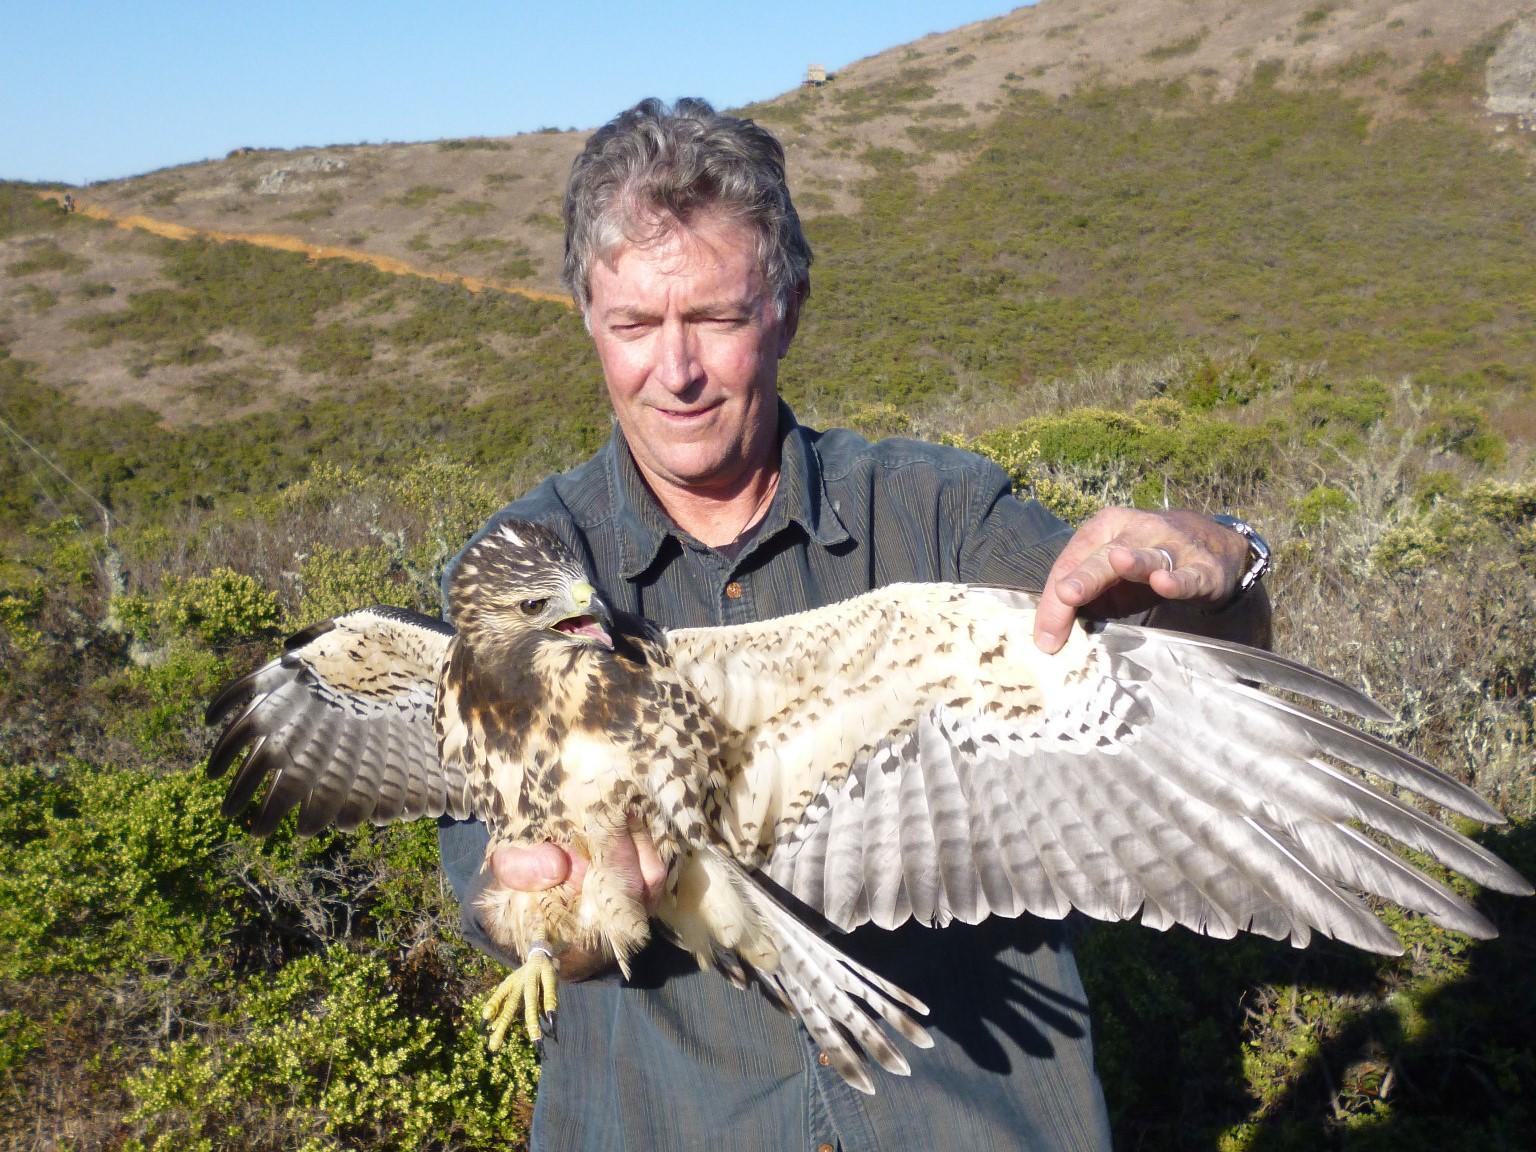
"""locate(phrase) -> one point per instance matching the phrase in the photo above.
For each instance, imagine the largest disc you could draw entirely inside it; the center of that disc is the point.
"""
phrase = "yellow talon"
(533, 986)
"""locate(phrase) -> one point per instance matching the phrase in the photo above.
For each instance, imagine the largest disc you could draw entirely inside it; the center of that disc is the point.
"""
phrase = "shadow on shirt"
(1015, 977)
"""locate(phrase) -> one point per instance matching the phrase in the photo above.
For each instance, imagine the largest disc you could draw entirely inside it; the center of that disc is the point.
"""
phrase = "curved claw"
(531, 988)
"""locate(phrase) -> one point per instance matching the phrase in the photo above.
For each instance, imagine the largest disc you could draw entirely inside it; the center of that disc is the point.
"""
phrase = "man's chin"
(701, 472)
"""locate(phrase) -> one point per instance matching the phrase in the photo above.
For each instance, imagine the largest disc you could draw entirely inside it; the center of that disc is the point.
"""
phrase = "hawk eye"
(533, 607)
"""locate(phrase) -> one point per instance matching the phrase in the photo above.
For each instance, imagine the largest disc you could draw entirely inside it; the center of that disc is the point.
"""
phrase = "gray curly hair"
(652, 168)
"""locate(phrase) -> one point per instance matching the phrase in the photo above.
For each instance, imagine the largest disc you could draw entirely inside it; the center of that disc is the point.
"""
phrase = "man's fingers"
(1155, 567)
(1076, 579)
(653, 873)
(531, 869)
(1170, 577)
(1123, 560)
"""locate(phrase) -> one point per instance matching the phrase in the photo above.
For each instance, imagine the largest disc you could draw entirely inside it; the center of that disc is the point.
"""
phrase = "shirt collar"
(801, 499)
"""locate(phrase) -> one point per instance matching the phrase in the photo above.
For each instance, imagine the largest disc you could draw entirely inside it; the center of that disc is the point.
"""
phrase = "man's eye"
(533, 607)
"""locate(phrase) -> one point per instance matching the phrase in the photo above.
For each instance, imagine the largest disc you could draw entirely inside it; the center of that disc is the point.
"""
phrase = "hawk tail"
(841, 1002)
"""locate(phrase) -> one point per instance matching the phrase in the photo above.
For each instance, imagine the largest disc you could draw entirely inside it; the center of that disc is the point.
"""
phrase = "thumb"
(530, 869)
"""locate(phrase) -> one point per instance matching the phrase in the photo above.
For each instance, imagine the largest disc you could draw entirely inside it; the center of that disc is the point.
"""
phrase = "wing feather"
(341, 726)
(963, 773)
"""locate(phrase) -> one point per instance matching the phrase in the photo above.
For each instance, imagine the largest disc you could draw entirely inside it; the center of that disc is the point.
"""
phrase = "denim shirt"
(678, 1058)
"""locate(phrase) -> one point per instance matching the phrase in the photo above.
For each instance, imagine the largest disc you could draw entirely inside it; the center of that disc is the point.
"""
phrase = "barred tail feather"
(842, 1004)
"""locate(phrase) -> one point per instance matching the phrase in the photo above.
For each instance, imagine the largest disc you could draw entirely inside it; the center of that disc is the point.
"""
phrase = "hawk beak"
(592, 618)
(587, 597)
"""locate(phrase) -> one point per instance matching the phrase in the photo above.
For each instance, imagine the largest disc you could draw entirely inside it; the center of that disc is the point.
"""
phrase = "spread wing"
(342, 722)
(912, 754)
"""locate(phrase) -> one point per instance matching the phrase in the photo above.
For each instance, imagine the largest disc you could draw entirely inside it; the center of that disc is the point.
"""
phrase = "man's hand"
(547, 865)
(1123, 561)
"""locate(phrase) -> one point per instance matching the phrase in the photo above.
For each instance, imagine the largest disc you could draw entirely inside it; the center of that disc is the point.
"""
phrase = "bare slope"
(490, 207)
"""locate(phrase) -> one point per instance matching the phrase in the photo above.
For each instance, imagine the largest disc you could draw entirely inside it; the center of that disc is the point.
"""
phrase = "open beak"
(592, 619)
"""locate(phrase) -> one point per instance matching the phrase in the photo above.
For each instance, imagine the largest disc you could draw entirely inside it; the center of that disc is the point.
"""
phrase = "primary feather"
(908, 754)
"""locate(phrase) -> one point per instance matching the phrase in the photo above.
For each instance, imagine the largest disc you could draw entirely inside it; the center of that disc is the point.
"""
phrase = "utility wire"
(106, 516)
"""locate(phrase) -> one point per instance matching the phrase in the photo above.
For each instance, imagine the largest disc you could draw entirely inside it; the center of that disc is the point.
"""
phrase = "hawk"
(906, 754)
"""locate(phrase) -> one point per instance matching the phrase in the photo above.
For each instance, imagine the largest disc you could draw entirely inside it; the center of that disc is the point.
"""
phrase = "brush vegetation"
(1266, 305)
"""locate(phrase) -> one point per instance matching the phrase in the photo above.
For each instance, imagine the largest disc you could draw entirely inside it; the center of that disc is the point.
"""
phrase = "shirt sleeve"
(1010, 541)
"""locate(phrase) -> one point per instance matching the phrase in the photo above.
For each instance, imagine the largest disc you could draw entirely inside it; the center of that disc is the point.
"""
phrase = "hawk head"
(519, 582)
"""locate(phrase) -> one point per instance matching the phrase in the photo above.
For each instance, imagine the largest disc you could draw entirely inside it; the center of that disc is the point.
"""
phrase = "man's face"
(690, 345)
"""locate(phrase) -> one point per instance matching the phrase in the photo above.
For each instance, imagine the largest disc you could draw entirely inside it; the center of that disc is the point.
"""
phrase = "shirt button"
(733, 590)
(823, 1059)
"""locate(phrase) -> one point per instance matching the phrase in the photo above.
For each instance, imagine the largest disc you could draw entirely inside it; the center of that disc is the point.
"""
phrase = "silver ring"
(1167, 555)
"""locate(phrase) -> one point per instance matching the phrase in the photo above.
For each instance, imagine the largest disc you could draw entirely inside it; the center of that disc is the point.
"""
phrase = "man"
(710, 505)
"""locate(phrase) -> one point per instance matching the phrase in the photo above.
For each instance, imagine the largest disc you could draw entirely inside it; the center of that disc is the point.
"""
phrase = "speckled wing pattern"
(342, 723)
(910, 754)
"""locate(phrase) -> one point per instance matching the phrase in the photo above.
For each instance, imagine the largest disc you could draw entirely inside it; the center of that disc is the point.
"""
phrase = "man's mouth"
(587, 627)
(684, 414)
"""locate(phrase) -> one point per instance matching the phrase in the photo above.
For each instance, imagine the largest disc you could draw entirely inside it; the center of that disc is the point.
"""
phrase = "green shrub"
(1509, 504)
(109, 871)
(419, 195)
(1353, 405)
(1162, 451)
(219, 609)
(1020, 458)
(1415, 544)
(1454, 526)
(1462, 427)
(1433, 487)
(337, 580)
(46, 256)
(518, 268)
(1176, 48)
(338, 349)
(19, 611)
(23, 212)
(159, 705)
(1321, 505)
(324, 1057)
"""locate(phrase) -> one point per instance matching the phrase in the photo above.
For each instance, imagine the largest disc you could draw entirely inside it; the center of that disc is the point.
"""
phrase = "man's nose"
(677, 366)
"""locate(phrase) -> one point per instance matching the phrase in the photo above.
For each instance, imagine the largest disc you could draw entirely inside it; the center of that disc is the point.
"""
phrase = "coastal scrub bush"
(336, 580)
(45, 256)
(108, 870)
(219, 609)
(1462, 427)
(1159, 452)
(158, 705)
(323, 1056)
(1321, 505)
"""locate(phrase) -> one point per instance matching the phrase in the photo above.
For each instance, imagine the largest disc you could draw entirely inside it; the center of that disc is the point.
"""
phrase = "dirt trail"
(287, 243)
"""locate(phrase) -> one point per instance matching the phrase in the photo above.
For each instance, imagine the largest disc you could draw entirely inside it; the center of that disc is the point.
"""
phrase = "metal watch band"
(1258, 554)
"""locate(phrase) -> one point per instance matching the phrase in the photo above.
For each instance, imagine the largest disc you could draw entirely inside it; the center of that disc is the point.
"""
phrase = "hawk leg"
(531, 987)
(610, 913)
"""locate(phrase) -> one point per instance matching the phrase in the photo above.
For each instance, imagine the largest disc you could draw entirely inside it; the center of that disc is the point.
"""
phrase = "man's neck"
(717, 518)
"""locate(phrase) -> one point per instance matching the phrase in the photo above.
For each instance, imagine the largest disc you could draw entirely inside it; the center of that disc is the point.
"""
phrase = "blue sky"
(105, 88)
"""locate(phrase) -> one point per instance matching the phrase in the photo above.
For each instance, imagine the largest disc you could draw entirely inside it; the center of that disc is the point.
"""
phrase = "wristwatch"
(1258, 555)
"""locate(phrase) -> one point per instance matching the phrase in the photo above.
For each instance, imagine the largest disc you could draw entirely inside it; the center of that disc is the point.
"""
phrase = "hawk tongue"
(585, 626)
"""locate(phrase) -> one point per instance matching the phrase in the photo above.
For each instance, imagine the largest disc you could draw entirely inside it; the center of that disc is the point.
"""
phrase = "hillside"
(490, 206)
(915, 136)
(1270, 256)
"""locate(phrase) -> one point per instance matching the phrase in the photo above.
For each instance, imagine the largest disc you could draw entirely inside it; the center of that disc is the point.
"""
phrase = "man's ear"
(791, 323)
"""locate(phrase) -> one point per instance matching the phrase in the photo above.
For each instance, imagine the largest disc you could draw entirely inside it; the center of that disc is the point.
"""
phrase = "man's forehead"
(709, 260)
